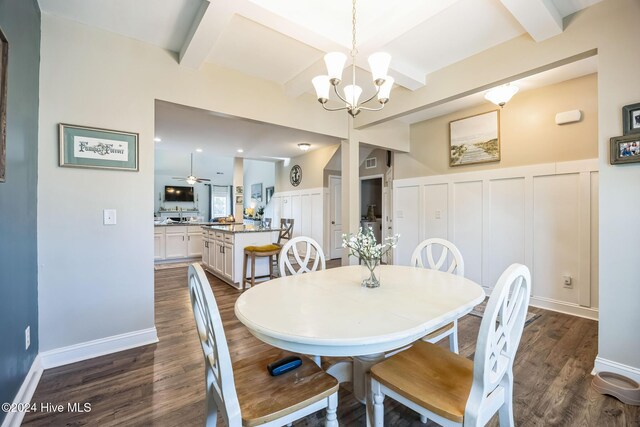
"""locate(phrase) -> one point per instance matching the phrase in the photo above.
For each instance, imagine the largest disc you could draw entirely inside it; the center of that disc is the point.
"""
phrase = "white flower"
(364, 245)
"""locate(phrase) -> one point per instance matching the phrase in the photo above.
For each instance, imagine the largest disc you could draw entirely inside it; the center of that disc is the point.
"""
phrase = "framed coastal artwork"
(88, 147)
(4, 68)
(475, 139)
(256, 192)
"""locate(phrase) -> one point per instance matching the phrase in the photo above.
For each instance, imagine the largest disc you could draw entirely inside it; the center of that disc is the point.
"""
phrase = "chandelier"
(379, 64)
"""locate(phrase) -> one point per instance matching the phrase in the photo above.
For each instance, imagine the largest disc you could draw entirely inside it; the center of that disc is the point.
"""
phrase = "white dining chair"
(250, 396)
(307, 256)
(451, 389)
(311, 251)
(448, 251)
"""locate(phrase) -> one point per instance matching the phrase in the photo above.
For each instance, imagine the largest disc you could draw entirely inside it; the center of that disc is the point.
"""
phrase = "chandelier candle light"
(379, 64)
(364, 246)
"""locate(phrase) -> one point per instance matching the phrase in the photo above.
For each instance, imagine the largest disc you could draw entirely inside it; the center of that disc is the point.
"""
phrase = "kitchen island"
(223, 250)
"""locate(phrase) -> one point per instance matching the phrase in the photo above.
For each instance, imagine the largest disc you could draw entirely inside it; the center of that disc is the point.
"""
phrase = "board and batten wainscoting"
(544, 216)
(304, 206)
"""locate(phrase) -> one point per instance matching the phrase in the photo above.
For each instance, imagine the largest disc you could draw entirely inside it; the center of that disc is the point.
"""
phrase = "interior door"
(335, 216)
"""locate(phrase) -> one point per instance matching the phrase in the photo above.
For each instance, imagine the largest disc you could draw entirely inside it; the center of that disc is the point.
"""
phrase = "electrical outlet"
(27, 338)
(567, 282)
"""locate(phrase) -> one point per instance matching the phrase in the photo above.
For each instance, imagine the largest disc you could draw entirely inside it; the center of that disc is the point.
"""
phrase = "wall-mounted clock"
(295, 176)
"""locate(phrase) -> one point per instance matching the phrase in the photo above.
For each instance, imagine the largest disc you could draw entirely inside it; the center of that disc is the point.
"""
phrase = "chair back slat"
(218, 368)
(499, 336)
(286, 232)
(311, 251)
(448, 250)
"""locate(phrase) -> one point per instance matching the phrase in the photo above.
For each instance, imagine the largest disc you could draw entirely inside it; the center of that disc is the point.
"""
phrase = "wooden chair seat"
(439, 331)
(430, 376)
(264, 398)
(264, 248)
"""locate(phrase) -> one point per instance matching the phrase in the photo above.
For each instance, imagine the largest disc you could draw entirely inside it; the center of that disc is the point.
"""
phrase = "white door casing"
(335, 217)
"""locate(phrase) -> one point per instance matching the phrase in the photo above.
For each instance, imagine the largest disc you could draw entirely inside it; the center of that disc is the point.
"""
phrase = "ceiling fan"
(191, 179)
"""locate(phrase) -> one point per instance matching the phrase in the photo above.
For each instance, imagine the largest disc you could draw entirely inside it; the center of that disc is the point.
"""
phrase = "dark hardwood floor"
(162, 384)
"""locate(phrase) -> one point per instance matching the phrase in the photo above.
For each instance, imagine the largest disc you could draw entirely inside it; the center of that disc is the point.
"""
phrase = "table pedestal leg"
(362, 381)
(342, 371)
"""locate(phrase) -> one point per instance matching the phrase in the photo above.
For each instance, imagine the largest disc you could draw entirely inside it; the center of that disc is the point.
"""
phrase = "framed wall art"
(87, 147)
(625, 149)
(256, 192)
(475, 139)
(631, 119)
(269, 193)
(4, 69)
(295, 175)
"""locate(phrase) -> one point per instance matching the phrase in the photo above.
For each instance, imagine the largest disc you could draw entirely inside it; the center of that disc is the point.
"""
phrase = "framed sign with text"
(87, 147)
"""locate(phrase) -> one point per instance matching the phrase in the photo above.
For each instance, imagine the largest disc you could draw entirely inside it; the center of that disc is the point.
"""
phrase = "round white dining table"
(329, 312)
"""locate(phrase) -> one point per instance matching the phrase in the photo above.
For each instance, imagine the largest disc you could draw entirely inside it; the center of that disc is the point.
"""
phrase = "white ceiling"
(185, 129)
(162, 23)
(284, 40)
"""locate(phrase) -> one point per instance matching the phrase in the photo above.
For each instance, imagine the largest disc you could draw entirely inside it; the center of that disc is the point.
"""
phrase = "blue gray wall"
(20, 22)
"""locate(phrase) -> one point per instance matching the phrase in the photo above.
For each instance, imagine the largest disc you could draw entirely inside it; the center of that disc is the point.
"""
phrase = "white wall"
(258, 172)
(538, 215)
(89, 272)
(611, 29)
(306, 209)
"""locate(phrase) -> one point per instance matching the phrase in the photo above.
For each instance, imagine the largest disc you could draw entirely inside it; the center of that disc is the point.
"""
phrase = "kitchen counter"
(240, 228)
(171, 224)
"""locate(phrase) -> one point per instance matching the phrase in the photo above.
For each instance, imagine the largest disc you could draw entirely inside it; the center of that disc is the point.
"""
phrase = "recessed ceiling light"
(240, 150)
(199, 150)
(304, 146)
(156, 139)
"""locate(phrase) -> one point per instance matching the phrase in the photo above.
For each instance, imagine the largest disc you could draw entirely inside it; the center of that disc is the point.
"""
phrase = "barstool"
(272, 251)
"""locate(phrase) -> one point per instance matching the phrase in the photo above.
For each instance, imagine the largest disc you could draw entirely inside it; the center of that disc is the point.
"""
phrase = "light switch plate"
(109, 217)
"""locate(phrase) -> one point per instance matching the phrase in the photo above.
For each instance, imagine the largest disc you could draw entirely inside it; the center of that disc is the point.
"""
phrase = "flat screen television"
(173, 193)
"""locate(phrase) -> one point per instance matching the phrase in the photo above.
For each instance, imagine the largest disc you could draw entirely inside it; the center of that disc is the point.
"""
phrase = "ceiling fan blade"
(203, 180)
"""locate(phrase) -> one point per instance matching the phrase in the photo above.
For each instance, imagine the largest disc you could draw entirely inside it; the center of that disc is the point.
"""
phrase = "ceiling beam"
(539, 18)
(207, 26)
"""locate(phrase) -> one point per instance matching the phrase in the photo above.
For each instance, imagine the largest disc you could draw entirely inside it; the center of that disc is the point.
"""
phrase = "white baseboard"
(100, 347)
(25, 393)
(604, 365)
(564, 307)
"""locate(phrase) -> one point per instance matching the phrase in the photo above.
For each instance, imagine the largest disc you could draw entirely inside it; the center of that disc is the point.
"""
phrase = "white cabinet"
(218, 254)
(194, 242)
(158, 244)
(218, 264)
(177, 242)
(205, 250)
(227, 252)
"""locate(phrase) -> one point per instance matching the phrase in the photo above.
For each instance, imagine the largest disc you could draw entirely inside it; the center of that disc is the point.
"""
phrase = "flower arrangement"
(364, 246)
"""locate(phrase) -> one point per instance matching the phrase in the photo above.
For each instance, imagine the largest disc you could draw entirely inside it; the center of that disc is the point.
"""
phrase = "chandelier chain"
(354, 51)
